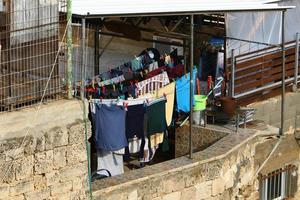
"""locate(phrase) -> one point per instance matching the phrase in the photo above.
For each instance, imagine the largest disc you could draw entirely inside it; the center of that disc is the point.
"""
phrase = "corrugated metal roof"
(168, 7)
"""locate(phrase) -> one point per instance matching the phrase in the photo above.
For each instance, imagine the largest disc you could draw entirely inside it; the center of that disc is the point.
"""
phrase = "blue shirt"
(110, 127)
(183, 92)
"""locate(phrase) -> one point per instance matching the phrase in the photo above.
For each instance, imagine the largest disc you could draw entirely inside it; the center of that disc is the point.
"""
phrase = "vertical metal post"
(295, 87)
(191, 85)
(232, 73)
(70, 49)
(96, 58)
(283, 74)
(82, 94)
(83, 43)
(225, 45)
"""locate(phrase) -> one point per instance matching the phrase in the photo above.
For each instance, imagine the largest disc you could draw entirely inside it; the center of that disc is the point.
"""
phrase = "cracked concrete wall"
(229, 177)
(269, 111)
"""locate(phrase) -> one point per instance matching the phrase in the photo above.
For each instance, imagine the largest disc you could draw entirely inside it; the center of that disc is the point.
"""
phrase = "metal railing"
(259, 73)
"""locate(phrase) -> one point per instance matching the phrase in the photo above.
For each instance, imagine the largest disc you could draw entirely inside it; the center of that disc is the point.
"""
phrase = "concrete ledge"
(30, 121)
(215, 153)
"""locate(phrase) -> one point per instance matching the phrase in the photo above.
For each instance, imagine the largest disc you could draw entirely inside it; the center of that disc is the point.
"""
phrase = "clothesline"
(129, 102)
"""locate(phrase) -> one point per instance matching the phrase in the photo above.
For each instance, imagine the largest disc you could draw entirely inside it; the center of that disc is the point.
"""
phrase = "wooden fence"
(257, 75)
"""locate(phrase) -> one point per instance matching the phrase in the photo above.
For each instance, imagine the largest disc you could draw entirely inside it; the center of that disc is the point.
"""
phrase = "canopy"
(102, 8)
(265, 28)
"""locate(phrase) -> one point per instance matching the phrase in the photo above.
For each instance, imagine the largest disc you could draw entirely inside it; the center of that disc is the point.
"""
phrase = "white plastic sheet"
(292, 19)
(262, 27)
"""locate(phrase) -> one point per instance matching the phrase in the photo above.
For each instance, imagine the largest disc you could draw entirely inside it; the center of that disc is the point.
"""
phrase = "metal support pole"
(82, 94)
(295, 86)
(232, 73)
(283, 75)
(96, 57)
(70, 49)
(191, 85)
(83, 44)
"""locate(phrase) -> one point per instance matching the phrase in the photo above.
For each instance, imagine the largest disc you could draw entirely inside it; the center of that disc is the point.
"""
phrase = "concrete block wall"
(50, 161)
(202, 137)
(51, 166)
(225, 170)
(269, 111)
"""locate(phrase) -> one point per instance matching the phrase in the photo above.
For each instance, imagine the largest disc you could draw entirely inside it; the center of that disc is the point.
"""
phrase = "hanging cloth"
(183, 91)
(152, 84)
(110, 127)
(156, 117)
(169, 91)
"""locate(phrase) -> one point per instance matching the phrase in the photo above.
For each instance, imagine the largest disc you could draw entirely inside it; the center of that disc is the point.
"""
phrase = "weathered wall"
(269, 111)
(50, 162)
(225, 170)
(202, 138)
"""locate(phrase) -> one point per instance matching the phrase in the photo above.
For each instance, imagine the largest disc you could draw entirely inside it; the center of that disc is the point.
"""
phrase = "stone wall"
(225, 170)
(202, 137)
(49, 162)
(269, 111)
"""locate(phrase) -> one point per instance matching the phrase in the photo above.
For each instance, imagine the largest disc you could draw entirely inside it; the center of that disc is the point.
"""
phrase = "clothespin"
(125, 106)
(103, 89)
(121, 87)
(93, 84)
(142, 75)
(165, 96)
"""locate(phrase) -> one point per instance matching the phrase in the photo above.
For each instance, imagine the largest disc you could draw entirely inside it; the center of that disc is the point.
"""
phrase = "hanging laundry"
(111, 162)
(153, 66)
(176, 71)
(169, 91)
(105, 76)
(147, 152)
(134, 145)
(156, 139)
(183, 91)
(127, 72)
(156, 117)
(156, 72)
(114, 80)
(110, 127)
(136, 64)
(135, 121)
(152, 84)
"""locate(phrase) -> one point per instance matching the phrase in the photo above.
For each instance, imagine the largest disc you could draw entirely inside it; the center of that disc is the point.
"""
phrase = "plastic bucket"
(198, 117)
(228, 105)
(200, 102)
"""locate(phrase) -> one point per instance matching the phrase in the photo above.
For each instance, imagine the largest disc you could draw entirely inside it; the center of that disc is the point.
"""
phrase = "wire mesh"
(30, 35)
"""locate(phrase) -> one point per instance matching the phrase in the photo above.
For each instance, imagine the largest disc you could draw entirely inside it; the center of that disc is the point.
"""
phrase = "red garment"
(156, 72)
(175, 72)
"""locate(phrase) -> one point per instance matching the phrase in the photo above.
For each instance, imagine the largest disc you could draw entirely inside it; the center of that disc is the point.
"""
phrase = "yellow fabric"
(156, 139)
(169, 90)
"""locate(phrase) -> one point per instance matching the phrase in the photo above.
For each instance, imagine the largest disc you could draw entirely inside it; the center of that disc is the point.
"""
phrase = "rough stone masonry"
(50, 162)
